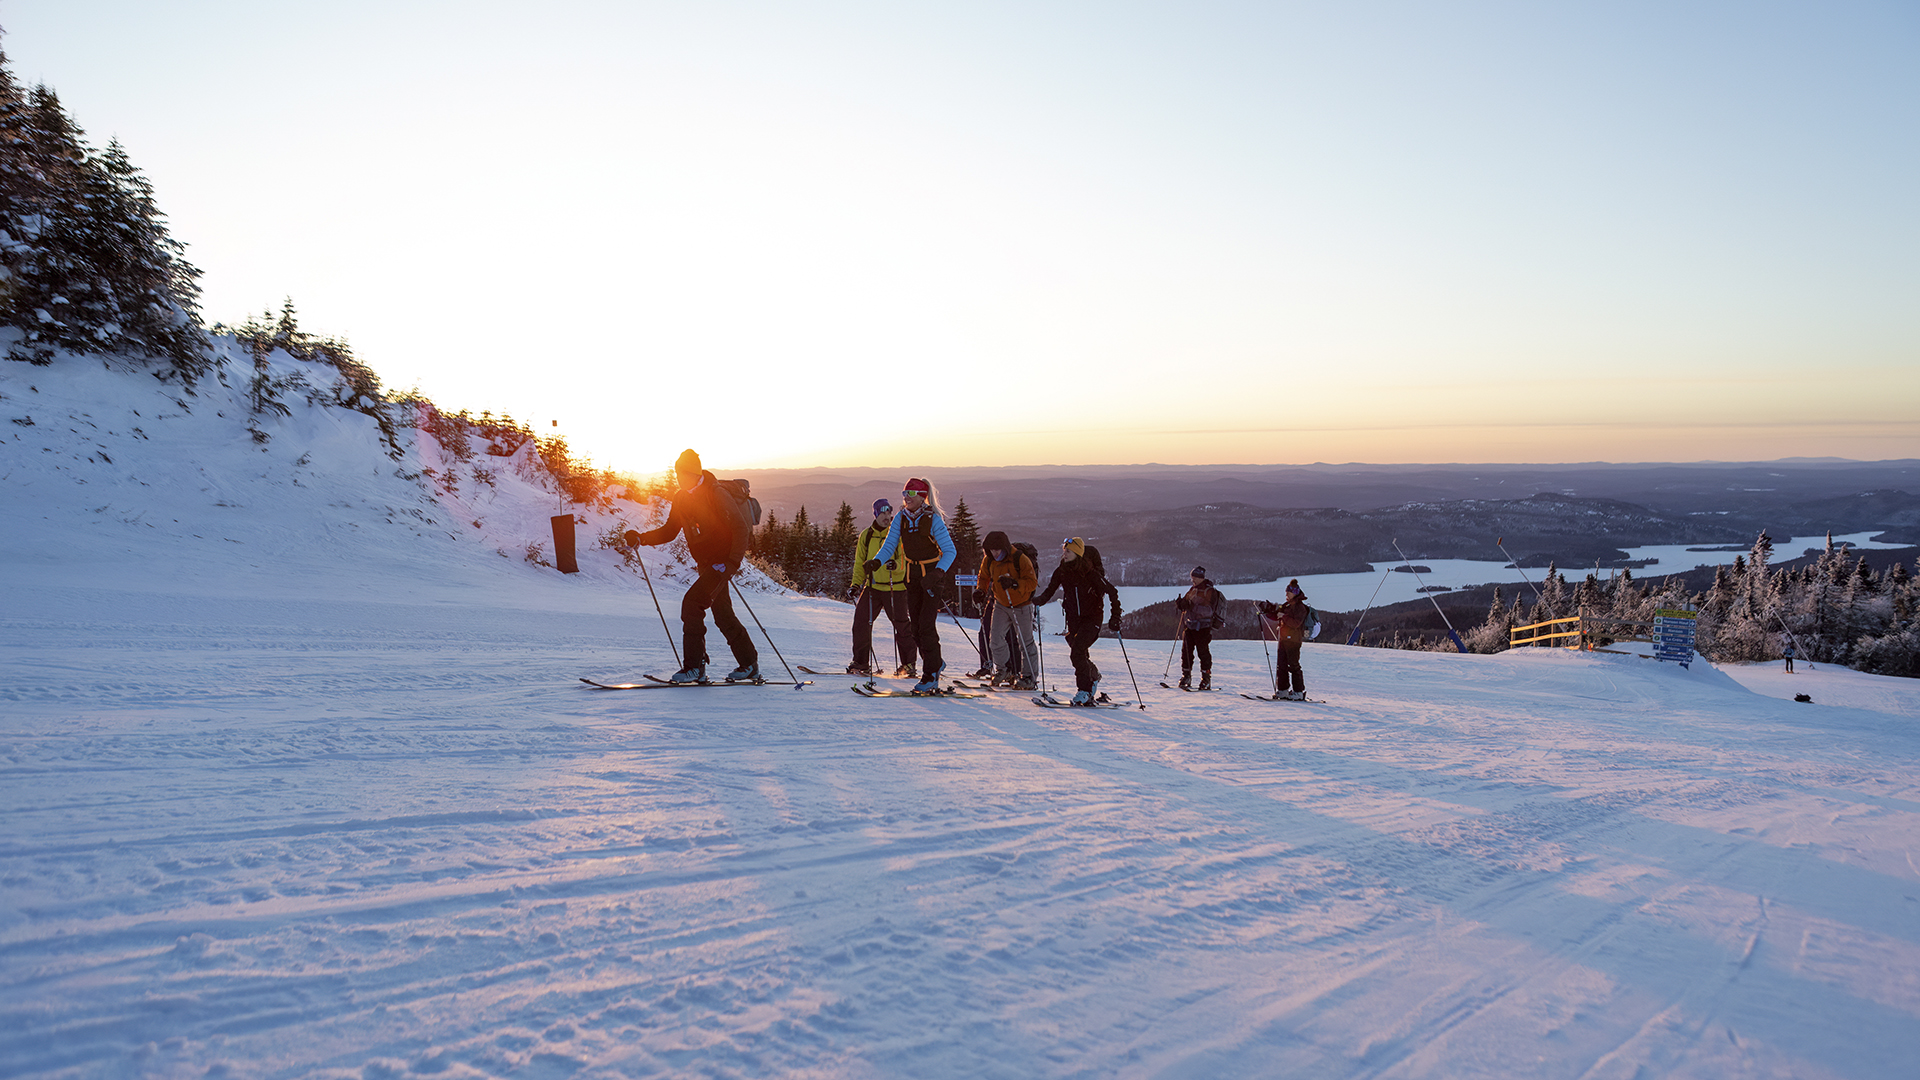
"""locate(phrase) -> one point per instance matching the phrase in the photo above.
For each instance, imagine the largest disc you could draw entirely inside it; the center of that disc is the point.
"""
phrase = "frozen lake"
(1351, 592)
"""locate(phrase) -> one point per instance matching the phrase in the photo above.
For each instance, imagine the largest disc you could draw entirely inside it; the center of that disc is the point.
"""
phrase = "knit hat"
(880, 506)
(1199, 571)
(1076, 545)
(688, 462)
(1293, 588)
(919, 485)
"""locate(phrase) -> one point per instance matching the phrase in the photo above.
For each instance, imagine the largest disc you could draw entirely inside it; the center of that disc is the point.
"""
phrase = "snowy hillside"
(297, 779)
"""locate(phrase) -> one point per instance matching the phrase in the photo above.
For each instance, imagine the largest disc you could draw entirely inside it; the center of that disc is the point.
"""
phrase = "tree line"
(817, 559)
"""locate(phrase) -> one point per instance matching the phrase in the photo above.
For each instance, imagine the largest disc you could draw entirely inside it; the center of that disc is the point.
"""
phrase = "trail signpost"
(1673, 630)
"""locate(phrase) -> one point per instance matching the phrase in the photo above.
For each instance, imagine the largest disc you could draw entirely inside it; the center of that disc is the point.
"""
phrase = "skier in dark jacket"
(1202, 611)
(920, 534)
(718, 546)
(1085, 583)
(1289, 625)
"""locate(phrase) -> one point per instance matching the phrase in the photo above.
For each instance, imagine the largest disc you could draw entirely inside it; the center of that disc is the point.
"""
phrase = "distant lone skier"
(1786, 653)
(717, 545)
(1202, 611)
(1085, 583)
(878, 591)
(919, 534)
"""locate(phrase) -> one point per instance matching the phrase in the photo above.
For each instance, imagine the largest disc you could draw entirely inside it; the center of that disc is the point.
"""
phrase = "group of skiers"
(903, 568)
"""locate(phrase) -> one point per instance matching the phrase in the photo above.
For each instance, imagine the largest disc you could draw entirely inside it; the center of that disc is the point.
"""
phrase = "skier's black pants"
(1290, 667)
(1196, 639)
(923, 612)
(710, 591)
(1080, 637)
(867, 609)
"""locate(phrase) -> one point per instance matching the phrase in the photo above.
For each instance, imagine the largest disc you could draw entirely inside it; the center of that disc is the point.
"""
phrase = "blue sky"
(882, 234)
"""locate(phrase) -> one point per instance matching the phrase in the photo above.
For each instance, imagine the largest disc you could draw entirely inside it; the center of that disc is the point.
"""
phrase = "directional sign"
(1673, 630)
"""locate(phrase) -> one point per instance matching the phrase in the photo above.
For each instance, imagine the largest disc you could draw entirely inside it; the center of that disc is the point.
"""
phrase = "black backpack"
(1032, 553)
(743, 512)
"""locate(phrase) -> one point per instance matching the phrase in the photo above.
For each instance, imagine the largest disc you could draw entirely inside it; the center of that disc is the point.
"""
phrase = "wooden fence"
(1582, 631)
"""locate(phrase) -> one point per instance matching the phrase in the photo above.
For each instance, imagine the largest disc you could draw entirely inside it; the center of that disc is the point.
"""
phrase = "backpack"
(1032, 553)
(1312, 625)
(742, 510)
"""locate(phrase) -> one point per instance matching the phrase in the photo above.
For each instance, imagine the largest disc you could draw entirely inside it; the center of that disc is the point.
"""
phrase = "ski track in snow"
(345, 812)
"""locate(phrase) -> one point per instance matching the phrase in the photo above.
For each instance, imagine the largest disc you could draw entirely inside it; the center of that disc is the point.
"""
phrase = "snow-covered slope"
(296, 779)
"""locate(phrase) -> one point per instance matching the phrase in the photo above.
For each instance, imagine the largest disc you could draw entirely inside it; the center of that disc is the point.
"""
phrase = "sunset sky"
(984, 233)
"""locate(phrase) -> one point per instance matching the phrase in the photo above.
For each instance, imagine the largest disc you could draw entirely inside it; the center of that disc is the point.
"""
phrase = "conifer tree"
(86, 262)
(966, 538)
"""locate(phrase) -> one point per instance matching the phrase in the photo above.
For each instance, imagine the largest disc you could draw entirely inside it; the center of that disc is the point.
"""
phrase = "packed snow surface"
(297, 779)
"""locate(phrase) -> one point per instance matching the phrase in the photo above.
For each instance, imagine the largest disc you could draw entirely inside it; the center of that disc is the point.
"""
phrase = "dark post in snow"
(563, 544)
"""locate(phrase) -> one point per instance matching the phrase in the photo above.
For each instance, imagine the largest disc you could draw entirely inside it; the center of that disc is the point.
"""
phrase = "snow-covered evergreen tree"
(86, 262)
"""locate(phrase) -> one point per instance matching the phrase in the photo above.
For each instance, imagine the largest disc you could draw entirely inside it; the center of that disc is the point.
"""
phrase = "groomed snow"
(298, 780)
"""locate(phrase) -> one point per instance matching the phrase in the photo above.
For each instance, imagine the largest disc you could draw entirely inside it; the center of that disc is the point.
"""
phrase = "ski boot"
(905, 671)
(1206, 680)
(1186, 681)
(696, 673)
(861, 670)
(930, 684)
(1082, 697)
(1296, 695)
(747, 672)
(1024, 682)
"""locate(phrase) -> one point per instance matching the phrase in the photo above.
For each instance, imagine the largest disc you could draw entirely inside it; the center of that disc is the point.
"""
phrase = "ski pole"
(656, 601)
(872, 653)
(1040, 644)
(763, 633)
(1137, 699)
(1273, 673)
(1355, 636)
(948, 608)
(1170, 649)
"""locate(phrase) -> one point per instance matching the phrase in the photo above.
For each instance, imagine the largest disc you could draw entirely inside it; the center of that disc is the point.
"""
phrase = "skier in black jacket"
(1202, 611)
(1085, 583)
(717, 548)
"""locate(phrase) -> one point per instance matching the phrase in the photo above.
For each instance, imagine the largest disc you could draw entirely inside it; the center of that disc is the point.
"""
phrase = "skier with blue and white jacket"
(919, 533)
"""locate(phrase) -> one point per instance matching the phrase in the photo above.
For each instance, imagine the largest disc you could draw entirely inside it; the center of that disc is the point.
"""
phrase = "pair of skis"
(1048, 701)
(655, 682)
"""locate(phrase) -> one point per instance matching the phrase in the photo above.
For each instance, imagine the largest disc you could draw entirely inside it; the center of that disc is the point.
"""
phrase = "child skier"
(1288, 622)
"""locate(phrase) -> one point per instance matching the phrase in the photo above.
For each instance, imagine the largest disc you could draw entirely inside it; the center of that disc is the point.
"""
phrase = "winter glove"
(870, 566)
(1182, 603)
(1268, 608)
(1008, 582)
(631, 537)
(853, 591)
(979, 596)
(1113, 624)
(939, 583)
